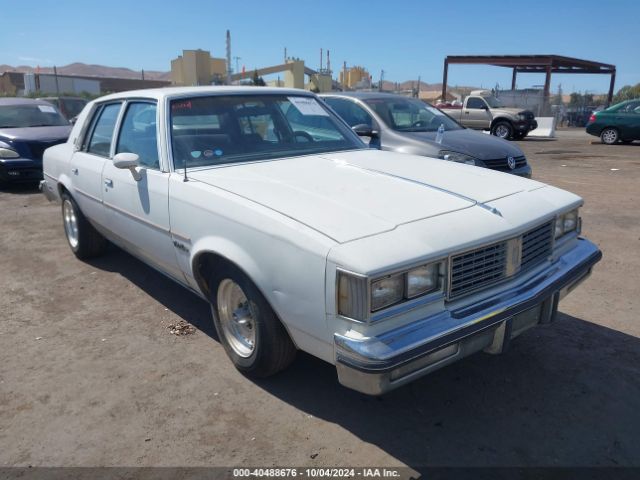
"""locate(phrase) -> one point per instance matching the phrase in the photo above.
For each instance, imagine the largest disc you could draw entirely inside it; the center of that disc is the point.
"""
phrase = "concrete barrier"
(546, 128)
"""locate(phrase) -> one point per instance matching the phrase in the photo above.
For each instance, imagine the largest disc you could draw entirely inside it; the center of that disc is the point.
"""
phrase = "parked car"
(408, 125)
(70, 107)
(386, 265)
(482, 111)
(618, 123)
(27, 128)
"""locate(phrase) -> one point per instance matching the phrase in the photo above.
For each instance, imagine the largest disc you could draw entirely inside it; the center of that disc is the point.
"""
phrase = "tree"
(627, 92)
(257, 80)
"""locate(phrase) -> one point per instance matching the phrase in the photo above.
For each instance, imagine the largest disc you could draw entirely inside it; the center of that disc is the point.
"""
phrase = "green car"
(618, 123)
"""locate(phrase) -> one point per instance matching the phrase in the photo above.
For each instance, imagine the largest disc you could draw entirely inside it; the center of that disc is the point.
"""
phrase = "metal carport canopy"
(546, 64)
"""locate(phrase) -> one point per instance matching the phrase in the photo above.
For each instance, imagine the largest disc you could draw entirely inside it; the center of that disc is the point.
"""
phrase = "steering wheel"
(303, 134)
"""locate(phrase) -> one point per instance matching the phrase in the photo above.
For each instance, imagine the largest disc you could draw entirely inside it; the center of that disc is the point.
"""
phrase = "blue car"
(27, 128)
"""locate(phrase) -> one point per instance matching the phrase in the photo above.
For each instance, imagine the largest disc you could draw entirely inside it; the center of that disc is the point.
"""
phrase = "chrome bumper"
(375, 365)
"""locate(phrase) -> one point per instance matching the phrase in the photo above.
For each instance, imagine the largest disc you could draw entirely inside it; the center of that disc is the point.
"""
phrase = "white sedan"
(265, 203)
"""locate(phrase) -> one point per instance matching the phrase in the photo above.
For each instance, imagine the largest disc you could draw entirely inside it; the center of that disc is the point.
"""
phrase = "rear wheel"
(609, 136)
(248, 328)
(502, 129)
(84, 240)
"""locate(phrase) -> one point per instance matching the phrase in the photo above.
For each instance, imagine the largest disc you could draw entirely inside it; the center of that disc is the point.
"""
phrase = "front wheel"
(609, 136)
(502, 130)
(84, 240)
(248, 328)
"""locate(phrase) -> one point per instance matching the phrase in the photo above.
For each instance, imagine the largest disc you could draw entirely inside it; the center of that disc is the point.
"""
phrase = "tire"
(502, 129)
(609, 136)
(84, 240)
(251, 333)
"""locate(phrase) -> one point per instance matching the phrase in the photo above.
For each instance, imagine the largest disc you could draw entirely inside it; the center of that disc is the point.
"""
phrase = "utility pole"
(418, 91)
(381, 80)
(228, 57)
(55, 75)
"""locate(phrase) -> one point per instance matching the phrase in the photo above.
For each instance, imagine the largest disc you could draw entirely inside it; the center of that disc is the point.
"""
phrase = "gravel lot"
(90, 374)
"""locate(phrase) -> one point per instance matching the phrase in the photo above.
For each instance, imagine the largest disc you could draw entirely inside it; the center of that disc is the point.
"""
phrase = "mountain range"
(86, 70)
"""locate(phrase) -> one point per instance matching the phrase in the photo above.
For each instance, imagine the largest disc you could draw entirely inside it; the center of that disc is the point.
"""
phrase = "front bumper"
(375, 365)
(20, 171)
(525, 126)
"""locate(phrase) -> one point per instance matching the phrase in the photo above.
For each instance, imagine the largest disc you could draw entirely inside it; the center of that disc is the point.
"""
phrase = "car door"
(630, 126)
(88, 161)
(476, 114)
(137, 211)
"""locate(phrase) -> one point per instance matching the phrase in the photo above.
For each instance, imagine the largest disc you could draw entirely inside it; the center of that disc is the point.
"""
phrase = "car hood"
(39, 134)
(470, 142)
(351, 195)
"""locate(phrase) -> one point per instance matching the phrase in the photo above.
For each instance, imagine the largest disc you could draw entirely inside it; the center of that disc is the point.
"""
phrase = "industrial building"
(197, 67)
(20, 84)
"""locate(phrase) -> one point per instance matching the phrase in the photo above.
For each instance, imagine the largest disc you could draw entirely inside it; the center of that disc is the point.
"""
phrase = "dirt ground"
(91, 376)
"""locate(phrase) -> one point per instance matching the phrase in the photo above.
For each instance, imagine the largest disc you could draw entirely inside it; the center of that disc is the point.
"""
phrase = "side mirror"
(484, 106)
(364, 130)
(130, 161)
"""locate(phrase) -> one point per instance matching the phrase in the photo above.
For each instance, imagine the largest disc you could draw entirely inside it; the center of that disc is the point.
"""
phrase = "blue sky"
(405, 38)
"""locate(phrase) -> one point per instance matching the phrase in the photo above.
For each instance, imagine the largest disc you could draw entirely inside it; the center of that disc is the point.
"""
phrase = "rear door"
(87, 163)
(137, 212)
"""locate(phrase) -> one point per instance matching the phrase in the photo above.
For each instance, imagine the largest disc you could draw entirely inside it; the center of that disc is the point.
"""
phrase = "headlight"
(522, 117)
(567, 223)
(357, 297)
(456, 157)
(386, 291)
(422, 280)
(8, 153)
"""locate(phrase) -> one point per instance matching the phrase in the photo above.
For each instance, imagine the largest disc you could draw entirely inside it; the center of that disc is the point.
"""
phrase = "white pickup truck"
(387, 265)
(483, 111)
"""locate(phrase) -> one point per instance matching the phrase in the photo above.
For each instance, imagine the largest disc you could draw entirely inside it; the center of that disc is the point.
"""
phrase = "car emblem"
(511, 162)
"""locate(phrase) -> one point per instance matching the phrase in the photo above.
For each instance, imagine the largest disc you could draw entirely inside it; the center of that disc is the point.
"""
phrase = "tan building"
(355, 76)
(197, 67)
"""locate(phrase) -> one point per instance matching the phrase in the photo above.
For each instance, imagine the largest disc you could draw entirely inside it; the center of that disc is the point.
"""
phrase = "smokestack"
(285, 54)
(320, 59)
(228, 57)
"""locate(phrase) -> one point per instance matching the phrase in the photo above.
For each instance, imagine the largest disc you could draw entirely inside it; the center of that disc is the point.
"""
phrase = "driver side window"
(475, 102)
(350, 112)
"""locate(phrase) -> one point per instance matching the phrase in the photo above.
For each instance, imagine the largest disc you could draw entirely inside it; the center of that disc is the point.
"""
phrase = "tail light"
(592, 118)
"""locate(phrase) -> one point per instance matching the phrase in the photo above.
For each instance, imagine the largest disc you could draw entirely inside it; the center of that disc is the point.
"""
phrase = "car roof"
(363, 95)
(22, 101)
(170, 92)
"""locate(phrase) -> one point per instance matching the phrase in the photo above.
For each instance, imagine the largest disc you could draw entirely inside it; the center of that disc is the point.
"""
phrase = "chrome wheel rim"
(502, 131)
(609, 136)
(70, 223)
(236, 318)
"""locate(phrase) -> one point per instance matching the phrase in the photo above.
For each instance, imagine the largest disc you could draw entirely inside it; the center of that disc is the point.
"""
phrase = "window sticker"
(46, 109)
(308, 106)
(196, 154)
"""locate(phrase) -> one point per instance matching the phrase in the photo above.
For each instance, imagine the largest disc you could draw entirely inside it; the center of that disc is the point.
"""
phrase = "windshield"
(220, 129)
(493, 102)
(411, 115)
(20, 116)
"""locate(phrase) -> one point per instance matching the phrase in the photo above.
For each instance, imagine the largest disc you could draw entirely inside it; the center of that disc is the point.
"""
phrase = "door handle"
(108, 182)
(74, 171)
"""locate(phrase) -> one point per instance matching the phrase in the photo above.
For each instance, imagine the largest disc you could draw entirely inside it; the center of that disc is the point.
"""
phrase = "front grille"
(480, 268)
(37, 148)
(477, 269)
(536, 245)
(503, 165)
